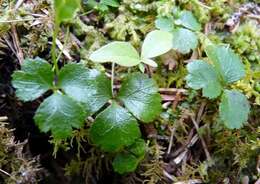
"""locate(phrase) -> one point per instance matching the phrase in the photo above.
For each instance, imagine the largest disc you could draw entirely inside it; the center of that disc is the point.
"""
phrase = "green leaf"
(184, 40)
(203, 76)
(33, 80)
(188, 20)
(227, 63)
(164, 24)
(65, 10)
(140, 96)
(125, 163)
(234, 109)
(59, 114)
(112, 3)
(122, 53)
(90, 87)
(156, 43)
(150, 62)
(114, 128)
(138, 148)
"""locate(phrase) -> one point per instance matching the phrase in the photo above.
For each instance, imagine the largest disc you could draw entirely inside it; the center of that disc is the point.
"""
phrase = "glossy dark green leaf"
(203, 76)
(140, 96)
(229, 66)
(234, 109)
(90, 87)
(187, 19)
(138, 148)
(125, 163)
(184, 40)
(59, 114)
(65, 10)
(33, 80)
(114, 128)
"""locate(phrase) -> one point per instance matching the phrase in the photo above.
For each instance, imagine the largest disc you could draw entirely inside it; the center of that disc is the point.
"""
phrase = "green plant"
(224, 68)
(78, 92)
(182, 25)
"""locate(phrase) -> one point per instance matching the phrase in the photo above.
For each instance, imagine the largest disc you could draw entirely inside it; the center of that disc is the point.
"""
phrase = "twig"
(16, 41)
(171, 138)
(201, 139)
(195, 181)
(6, 173)
(18, 4)
(172, 90)
(168, 175)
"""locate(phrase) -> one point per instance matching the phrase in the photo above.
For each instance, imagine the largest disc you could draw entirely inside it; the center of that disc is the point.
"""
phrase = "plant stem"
(65, 43)
(53, 48)
(112, 78)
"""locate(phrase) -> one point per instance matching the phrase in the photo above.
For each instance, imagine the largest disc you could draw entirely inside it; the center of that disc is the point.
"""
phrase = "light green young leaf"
(203, 75)
(184, 40)
(140, 96)
(90, 87)
(122, 53)
(228, 64)
(156, 43)
(59, 114)
(114, 128)
(164, 24)
(33, 80)
(65, 10)
(125, 163)
(150, 62)
(234, 109)
(188, 20)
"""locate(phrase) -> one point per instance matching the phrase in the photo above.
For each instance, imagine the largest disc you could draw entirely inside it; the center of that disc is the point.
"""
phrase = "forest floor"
(186, 144)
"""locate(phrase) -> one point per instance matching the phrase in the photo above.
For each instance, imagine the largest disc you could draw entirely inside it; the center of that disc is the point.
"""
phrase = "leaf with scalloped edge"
(128, 160)
(203, 76)
(88, 86)
(234, 109)
(228, 64)
(114, 129)
(59, 114)
(187, 19)
(33, 80)
(184, 40)
(140, 96)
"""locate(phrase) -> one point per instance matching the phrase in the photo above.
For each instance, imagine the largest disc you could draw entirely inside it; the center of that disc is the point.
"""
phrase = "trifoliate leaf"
(65, 10)
(140, 96)
(114, 128)
(187, 19)
(90, 87)
(125, 163)
(164, 24)
(184, 40)
(150, 62)
(234, 109)
(156, 43)
(227, 63)
(59, 114)
(203, 76)
(33, 80)
(122, 53)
